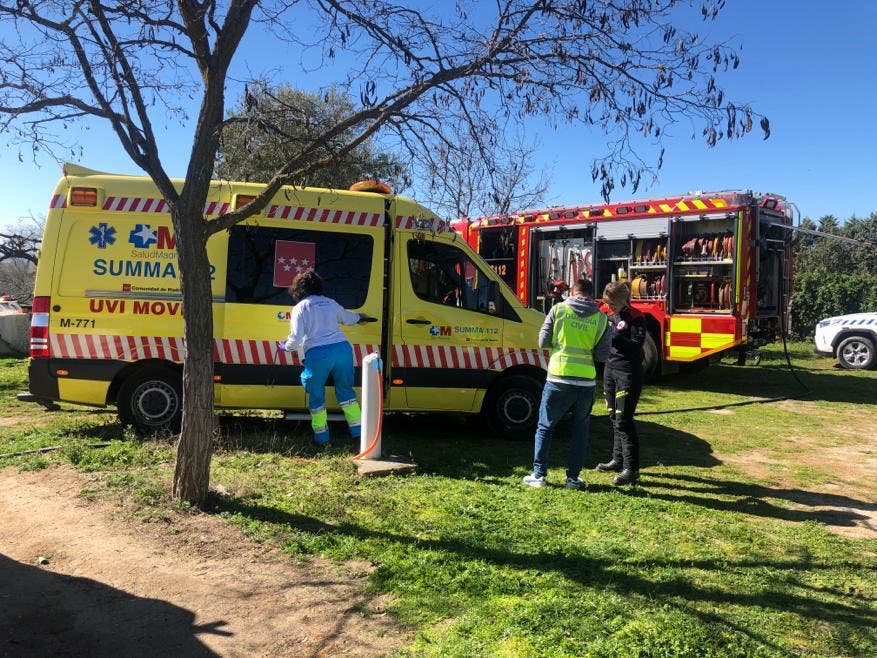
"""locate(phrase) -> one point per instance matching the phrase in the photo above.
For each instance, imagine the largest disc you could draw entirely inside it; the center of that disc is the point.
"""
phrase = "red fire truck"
(711, 271)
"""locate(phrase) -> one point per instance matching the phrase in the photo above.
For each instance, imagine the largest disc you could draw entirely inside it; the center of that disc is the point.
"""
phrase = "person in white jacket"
(323, 350)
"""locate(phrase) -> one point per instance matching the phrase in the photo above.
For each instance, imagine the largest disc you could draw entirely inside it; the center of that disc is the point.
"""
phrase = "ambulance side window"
(262, 262)
(443, 274)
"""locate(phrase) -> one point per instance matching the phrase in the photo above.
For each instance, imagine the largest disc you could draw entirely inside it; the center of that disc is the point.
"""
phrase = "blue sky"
(810, 66)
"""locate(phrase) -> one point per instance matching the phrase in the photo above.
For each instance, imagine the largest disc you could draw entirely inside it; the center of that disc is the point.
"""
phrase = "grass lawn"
(753, 533)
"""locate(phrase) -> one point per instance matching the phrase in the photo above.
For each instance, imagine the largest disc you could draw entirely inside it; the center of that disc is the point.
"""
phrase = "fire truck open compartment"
(558, 254)
(648, 268)
(703, 264)
(498, 246)
(613, 258)
(773, 274)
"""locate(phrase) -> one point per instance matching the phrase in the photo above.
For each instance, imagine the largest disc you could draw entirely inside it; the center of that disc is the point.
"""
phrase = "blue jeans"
(557, 399)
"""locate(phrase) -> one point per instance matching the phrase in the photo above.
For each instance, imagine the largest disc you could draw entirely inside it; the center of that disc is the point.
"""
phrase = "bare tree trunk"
(194, 448)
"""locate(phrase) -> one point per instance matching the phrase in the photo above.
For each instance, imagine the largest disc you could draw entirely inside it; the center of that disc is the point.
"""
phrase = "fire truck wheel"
(151, 400)
(856, 353)
(512, 407)
(651, 359)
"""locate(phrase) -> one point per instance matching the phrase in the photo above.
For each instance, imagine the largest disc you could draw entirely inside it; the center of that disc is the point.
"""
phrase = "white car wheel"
(856, 353)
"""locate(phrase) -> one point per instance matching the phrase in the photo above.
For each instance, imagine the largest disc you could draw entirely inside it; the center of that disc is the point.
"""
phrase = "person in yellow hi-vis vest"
(323, 350)
(576, 332)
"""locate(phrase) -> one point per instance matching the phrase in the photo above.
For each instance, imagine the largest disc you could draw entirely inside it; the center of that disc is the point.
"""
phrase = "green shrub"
(821, 294)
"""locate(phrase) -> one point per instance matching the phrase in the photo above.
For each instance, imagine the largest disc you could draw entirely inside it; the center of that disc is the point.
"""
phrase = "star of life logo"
(142, 236)
(435, 331)
(102, 235)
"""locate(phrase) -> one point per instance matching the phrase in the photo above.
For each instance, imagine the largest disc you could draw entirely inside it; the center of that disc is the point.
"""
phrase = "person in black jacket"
(623, 382)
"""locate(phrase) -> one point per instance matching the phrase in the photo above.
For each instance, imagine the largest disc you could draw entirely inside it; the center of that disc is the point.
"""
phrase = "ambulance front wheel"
(151, 400)
(512, 407)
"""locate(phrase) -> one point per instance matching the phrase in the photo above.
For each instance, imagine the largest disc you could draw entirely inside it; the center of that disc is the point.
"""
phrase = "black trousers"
(622, 390)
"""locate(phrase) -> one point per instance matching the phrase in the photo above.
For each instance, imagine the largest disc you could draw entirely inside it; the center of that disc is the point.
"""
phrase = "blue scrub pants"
(320, 362)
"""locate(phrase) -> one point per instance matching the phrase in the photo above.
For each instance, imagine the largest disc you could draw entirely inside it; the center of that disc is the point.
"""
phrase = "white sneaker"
(534, 480)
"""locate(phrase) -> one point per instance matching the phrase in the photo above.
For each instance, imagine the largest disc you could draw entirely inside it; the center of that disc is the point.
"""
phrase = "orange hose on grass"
(380, 422)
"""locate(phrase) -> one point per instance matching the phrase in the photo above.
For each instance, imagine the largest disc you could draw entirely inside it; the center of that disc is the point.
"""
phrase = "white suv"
(849, 338)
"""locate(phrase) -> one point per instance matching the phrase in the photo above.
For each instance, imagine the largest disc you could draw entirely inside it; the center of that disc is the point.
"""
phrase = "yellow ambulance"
(107, 324)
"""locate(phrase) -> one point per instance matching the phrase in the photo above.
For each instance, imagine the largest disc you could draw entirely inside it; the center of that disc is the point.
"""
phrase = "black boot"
(612, 465)
(626, 476)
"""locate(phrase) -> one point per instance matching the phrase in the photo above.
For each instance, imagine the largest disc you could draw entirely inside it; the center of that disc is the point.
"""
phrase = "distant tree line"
(833, 277)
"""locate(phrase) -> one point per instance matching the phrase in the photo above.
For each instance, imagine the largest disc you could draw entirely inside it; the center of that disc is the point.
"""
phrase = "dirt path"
(116, 587)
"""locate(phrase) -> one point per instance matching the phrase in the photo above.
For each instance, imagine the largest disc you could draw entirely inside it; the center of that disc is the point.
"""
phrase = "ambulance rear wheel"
(512, 407)
(151, 400)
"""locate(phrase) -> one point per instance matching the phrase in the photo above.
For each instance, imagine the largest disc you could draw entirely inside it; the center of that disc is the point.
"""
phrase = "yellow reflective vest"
(573, 341)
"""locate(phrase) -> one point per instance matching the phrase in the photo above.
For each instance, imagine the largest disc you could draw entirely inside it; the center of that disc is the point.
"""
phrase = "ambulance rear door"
(117, 295)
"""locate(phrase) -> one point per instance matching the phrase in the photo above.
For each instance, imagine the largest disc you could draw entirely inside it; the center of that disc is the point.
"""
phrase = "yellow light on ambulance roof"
(83, 196)
(374, 186)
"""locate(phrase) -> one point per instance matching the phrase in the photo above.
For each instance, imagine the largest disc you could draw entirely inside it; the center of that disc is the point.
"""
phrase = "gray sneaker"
(534, 480)
(575, 483)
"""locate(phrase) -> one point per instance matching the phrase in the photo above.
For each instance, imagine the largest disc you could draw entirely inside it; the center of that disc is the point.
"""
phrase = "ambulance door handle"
(418, 321)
